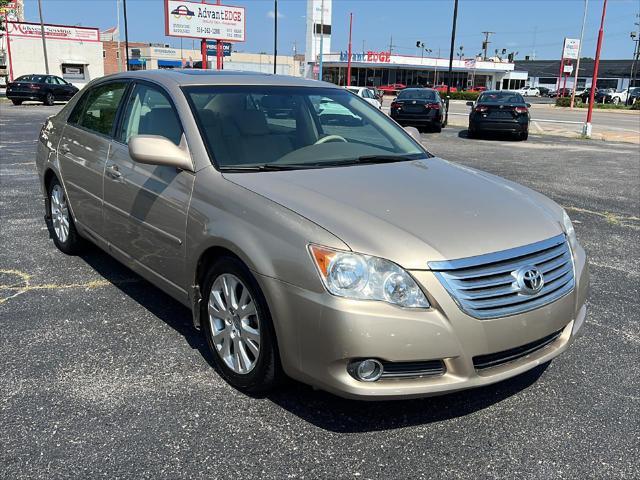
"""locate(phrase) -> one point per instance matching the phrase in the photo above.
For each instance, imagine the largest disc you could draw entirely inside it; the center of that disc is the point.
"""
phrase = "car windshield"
(500, 97)
(269, 127)
(417, 94)
(31, 78)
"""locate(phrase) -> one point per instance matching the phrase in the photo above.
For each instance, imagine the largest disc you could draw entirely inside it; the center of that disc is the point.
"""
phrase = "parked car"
(634, 95)
(499, 111)
(476, 89)
(40, 88)
(392, 88)
(618, 97)
(419, 107)
(343, 255)
(544, 91)
(367, 94)
(443, 88)
(604, 95)
(529, 91)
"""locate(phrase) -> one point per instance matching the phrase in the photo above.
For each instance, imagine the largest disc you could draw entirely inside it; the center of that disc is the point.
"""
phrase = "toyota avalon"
(311, 235)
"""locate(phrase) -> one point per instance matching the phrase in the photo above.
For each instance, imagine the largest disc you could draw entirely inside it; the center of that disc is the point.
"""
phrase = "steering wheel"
(331, 138)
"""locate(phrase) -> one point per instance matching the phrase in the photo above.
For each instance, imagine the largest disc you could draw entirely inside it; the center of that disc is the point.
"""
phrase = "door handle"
(114, 172)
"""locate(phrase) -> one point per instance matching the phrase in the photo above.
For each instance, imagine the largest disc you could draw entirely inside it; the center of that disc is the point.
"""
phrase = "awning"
(136, 61)
(170, 63)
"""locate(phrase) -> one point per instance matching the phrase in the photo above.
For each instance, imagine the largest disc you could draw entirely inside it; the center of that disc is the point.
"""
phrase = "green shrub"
(470, 96)
(636, 105)
(563, 101)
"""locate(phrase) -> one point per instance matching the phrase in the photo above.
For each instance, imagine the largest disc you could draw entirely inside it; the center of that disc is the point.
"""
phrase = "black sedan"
(419, 107)
(499, 111)
(40, 88)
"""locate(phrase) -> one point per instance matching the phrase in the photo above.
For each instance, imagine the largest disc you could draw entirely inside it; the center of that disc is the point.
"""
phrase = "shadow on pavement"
(494, 136)
(319, 408)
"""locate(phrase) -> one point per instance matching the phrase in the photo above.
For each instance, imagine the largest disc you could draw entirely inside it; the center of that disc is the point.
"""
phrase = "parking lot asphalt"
(102, 375)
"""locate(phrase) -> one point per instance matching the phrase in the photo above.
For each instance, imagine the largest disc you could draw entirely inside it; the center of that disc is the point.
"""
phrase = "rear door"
(66, 90)
(145, 206)
(83, 151)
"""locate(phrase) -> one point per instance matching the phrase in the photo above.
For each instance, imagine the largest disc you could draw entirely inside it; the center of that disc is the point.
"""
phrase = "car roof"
(185, 77)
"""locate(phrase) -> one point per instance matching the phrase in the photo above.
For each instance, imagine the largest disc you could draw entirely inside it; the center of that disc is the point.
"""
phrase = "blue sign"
(211, 48)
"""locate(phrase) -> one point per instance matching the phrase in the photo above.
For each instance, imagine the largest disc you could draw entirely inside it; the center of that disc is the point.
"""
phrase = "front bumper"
(319, 335)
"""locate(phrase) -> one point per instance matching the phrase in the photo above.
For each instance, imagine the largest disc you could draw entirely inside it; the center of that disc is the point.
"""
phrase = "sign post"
(198, 19)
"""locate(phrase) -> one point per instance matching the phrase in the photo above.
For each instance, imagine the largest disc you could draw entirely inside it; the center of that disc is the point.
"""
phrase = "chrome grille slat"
(485, 289)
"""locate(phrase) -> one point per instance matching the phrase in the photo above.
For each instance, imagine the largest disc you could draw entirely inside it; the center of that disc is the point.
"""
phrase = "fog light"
(368, 370)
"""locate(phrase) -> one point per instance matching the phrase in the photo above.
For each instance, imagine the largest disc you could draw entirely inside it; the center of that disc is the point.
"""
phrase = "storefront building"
(373, 69)
(73, 53)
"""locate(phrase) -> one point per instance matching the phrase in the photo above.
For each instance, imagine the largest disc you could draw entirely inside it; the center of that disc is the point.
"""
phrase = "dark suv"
(40, 88)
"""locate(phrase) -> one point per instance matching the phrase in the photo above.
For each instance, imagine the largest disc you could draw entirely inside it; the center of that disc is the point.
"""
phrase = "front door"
(83, 151)
(145, 206)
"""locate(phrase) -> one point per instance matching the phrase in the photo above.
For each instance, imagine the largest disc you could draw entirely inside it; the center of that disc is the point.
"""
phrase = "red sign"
(54, 32)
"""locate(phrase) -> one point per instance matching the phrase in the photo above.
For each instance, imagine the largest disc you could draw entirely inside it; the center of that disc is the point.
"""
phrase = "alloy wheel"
(59, 213)
(234, 322)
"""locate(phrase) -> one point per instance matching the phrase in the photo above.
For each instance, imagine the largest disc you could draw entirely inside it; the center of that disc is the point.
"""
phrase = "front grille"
(494, 359)
(486, 287)
(412, 369)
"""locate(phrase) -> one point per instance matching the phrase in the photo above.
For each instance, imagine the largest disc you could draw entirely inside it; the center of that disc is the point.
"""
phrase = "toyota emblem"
(529, 280)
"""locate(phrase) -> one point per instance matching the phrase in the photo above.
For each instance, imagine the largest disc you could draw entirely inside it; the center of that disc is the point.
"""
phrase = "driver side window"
(149, 112)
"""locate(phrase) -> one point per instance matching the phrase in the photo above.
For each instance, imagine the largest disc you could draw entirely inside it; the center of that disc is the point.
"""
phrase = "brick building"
(112, 57)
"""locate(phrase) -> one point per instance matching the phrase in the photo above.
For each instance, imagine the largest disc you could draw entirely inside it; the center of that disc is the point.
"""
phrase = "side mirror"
(157, 150)
(413, 131)
(469, 104)
(528, 105)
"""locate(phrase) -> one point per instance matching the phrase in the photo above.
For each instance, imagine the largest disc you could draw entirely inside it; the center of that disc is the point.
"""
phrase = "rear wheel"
(471, 133)
(49, 99)
(437, 127)
(16, 102)
(616, 100)
(61, 227)
(238, 328)
(524, 135)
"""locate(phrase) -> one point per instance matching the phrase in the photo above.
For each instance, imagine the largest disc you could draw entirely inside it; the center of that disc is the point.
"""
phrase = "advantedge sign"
(201, 20)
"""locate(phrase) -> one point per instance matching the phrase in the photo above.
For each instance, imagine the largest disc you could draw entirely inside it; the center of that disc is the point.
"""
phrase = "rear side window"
(149, 112)
(98, 111)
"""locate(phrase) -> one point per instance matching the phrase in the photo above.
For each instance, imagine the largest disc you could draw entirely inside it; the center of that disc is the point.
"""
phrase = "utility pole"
(453, 42)
(44, 42)
(575, 81)
(321, 39)
(349, 51)
(126, 33)
(275, 35)
(635, 36)
(435, 69)
(486, 43)
(535, 36)
(586, 131)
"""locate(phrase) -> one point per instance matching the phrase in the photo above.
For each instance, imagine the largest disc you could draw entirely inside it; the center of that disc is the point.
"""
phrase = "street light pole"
(453, 42)
(575, 81)
(321, 39)
(349, 51)
(275, 35)
(126, 32)
(44, 42)
(586, 131)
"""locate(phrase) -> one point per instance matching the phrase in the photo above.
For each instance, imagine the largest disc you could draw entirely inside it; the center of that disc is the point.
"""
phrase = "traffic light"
(418, 44)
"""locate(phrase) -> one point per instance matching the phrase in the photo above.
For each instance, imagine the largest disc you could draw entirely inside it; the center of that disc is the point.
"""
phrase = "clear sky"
(522, 26)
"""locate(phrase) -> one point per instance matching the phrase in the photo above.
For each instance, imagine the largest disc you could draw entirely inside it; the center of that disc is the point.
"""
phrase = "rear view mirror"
(469, 104)
(157, 150)
(413, 131)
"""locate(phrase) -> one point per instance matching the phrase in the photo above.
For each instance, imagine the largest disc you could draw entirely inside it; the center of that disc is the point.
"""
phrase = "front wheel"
(616, 100)
(61, 226)
(238, 328)
(49, 99)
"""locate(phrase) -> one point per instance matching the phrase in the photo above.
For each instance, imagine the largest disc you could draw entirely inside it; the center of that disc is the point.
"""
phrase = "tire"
(49, 99)
(616, 100)
(16, 102)
(437, 127)
(61, 226)
(524, 135)
(248, 335)
(471, 133)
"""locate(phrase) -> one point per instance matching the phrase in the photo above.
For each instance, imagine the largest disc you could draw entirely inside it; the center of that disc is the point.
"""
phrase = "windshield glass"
(417, 94)
(31, 78)
(287, 127)
(500, 97)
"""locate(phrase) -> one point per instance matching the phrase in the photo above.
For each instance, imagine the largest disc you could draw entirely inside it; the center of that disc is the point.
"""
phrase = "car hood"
(412, 212)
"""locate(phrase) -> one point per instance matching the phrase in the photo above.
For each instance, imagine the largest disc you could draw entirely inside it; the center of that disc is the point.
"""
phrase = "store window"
(73, 71)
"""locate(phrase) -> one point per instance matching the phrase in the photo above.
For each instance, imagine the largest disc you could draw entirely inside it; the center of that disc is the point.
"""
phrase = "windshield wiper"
(267, 167)
(367, 159)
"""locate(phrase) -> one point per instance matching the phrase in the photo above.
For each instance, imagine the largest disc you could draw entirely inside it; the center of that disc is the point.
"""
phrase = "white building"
(74, 53)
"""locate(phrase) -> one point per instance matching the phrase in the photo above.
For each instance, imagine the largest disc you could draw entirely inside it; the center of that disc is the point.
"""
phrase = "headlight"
(569, 231)
(363, 277)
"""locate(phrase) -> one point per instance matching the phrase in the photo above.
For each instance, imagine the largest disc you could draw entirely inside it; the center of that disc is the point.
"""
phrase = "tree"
(3, 3)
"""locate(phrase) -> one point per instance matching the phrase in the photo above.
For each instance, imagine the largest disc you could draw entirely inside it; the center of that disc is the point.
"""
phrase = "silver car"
(311, 235)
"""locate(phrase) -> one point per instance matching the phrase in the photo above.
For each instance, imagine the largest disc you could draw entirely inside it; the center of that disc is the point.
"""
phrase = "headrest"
(251, 122)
